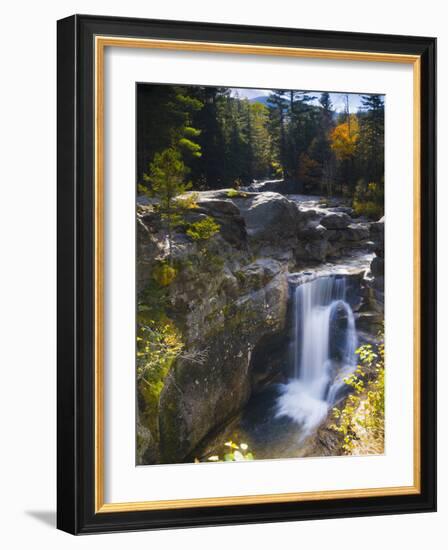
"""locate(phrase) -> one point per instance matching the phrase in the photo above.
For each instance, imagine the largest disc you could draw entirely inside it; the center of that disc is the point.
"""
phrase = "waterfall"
(323, 351)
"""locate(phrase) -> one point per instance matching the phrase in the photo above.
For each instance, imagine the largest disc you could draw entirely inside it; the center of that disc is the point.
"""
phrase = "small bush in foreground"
(361, 419)
(232, 453)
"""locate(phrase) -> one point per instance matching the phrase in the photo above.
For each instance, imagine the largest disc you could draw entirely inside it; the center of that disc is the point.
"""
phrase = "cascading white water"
(317, 306)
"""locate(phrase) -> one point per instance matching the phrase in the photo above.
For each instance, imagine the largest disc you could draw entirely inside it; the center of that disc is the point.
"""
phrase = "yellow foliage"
(344, 138)
(158, 345)
(369, 209)
(164, 274)
(187, 202)
(233, 453)
(361, 419)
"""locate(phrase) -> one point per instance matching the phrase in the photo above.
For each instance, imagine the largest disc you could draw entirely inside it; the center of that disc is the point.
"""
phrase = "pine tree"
(260, 140)
(372, 137)
(278, 103)
(166, 178)
(166, 119)
(301, 132)
(212, 168)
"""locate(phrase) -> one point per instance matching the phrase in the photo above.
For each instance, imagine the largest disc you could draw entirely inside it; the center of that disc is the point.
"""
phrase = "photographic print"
(260, 274)
(226, 351)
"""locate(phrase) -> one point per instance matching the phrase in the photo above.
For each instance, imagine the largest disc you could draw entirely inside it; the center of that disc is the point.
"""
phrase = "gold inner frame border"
(101, 42)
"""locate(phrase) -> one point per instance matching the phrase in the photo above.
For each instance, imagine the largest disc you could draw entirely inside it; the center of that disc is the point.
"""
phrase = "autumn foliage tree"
(344, 138)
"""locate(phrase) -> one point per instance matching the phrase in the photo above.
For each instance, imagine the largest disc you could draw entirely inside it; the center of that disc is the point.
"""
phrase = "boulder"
(356, 232)
(226, 213)
(217, 207)
(313, 232)
(338, 220)
(269, 216)
(316, 250)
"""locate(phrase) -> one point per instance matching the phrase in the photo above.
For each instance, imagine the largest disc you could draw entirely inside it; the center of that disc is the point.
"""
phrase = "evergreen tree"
(166, 178)
(212, 167)
(301, 132)
(327, 106)
(323, 151)
(170, 110)
(260, 141)
(232, 121)
(372, 137)
(278, 103)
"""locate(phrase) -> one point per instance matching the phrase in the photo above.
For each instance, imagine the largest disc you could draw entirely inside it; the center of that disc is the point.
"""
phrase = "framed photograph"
(246, 267)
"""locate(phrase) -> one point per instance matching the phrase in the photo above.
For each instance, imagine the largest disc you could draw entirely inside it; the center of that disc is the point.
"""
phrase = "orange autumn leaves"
(345, 137)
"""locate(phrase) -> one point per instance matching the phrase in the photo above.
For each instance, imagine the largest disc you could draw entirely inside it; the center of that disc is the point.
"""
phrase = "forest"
(225, 140)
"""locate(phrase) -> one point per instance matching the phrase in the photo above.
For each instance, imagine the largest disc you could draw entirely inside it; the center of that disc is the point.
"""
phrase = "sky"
(337, 99)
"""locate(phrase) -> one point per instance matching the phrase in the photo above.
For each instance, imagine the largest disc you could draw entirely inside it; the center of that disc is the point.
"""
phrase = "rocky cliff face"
(230, 297)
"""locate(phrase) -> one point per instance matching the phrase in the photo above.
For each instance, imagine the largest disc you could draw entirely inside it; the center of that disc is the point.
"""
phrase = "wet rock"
(377, 266)
(269, 360)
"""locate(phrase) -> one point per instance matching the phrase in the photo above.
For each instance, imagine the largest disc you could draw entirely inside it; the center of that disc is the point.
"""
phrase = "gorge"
(270, 310)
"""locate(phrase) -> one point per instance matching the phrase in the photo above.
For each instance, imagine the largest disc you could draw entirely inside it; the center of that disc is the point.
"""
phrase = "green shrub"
(276, 170)
(164, 274)
(158, 345)
(368, 199)
(203, 229)
(235, 194)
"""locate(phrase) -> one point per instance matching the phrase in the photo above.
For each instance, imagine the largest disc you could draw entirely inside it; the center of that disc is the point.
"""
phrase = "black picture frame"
(76, 262)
